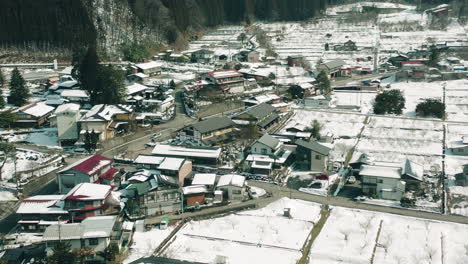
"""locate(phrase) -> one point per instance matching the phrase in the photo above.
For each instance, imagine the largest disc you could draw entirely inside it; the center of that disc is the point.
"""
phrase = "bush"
(389, 102)
(431, 107)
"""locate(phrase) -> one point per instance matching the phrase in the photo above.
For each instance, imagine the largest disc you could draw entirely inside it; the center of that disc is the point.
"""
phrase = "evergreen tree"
(87, 72)
(389, 102)
(110, 252)
(431, 107)
(296, 92)
(172, 84)
(110, 85)
(61, 254)
(315, 129)
(7, 118)
(323, 82)
(2, 78)
(2, 100)
(19, 93)
(91, 140)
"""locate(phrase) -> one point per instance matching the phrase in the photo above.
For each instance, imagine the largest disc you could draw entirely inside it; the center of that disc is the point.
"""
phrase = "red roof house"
(92, 169)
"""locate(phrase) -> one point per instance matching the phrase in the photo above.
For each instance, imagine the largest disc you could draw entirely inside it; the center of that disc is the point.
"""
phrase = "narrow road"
(279, 191)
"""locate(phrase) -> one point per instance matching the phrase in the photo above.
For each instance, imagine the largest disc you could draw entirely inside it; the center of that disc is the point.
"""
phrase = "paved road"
(279, 191)
(356, 78)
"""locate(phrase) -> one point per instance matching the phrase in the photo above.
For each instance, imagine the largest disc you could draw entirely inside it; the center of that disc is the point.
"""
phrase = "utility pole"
(59, 230)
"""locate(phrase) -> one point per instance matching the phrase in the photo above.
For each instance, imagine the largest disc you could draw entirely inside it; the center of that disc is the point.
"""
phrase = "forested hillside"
(49, 24)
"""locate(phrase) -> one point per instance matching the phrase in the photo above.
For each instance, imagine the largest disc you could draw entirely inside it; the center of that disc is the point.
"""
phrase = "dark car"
(316, 185)
(323, 177)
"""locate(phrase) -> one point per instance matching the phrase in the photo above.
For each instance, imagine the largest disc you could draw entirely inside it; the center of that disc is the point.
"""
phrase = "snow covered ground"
(416, 92)
(456, 102)
(458, 200)
(256, 236)
(349, 236)
(144, 243)
(394, 139)
(339, 124)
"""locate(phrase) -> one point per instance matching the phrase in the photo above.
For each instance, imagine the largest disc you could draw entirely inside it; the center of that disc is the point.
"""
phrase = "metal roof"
(269, 141)
(314, 146)
(213, 124)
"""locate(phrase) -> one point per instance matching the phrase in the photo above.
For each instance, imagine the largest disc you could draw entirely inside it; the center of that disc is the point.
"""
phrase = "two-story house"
(227, 80)
(265, 154)
(108, 120)
(33, 115)
(312, 155)
(92, 169)
(206, 131)
(89, 199)
(233, 186)
(95, 233)
(389, 180)
(262, 115)
(37, 212)
(67, 116)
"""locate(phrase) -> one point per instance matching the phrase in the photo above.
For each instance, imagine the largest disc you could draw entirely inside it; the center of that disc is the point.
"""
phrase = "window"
(93, 241)
(264, 151)
(236, 192)
(379, 181)
(318, 157)
(81, 205)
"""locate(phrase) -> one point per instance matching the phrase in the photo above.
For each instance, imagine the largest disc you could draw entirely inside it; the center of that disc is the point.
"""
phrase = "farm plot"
(339, 124)
(456, 100)
(260, 235)
(401, 239)
(416, 92)
(394, 139)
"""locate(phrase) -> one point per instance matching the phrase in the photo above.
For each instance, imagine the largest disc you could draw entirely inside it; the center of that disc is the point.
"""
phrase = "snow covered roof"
(147, 159)
(149, 65)
(104, 112)
(231, 179)
(204, 179)
(173, 164)
(135, 88)
(186, 151)
(74, 93)
(194, 189)
(89, 191)
(225, 74)
(36, 109)
(89, 165)
(42, 204)
(413, 170)
(380, 171)
(91, 227)
(67, 108)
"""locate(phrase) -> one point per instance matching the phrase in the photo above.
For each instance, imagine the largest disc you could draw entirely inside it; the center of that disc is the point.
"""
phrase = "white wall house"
(382, 182)
(67, 122)
(93, 232)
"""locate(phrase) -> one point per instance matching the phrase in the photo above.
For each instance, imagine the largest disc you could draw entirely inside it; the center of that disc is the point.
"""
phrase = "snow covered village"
(337, 137)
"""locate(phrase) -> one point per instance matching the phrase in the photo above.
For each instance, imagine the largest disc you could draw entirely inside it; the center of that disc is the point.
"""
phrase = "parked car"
(351, 179)
(150, 144)
(323, 177)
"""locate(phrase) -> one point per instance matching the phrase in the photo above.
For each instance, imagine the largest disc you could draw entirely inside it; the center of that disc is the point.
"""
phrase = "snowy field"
(349, 236)
(456, 100)
(394, 139)
(416, 92)
(145, 243)
(25, 160)
(339, 124)
(256, 236)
